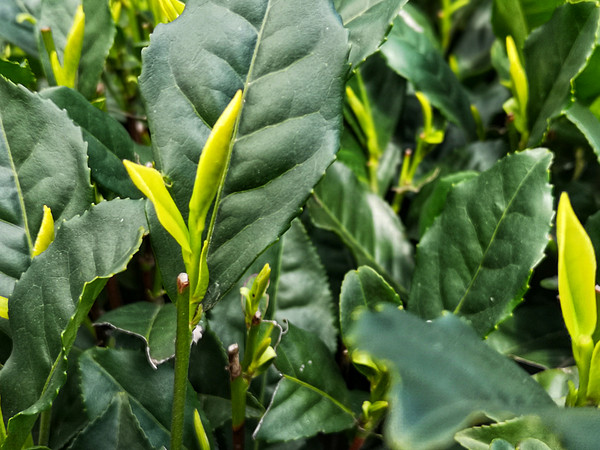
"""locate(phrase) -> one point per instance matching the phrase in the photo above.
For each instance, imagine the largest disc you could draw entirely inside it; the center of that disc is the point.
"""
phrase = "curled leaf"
(45, 235)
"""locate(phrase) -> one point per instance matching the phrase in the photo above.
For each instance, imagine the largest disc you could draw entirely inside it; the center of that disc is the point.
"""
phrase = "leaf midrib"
(492, 238)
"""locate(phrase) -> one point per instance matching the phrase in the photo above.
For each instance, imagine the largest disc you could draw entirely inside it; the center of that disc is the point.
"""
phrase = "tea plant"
(299, 224)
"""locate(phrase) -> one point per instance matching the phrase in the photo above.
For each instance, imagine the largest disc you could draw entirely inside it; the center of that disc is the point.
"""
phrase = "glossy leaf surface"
(426, 409)
(410, 52)
(365, 223)
(56, 299)
(587, 123)
(44, 162)
(476, 258)
(554, 54)
(288, 132)
(311, 396)
(153, 323)
(368, 22)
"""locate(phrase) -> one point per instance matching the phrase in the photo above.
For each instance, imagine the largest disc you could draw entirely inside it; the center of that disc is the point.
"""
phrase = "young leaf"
(45, 235)
(311, 396)
(576, 272)
(151, 183)
(477, 257)
(365, 223)
(153, 323)
(426, 408)
(44, 162)
(51, 300)
(555, 53)
(292, 80)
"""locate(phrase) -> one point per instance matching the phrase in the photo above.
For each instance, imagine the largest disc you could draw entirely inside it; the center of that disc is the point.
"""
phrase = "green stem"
(446, 23)
(2, 429)
(239, 387)
(45, 418)
(182, 358)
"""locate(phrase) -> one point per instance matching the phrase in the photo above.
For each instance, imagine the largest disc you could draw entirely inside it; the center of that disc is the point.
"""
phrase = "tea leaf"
(555, 53)
(368, 23)
(426, 409)
(289, 127)
(365, 223)
(476, 259)
(43, 161)
(20, 34)
(51, 300)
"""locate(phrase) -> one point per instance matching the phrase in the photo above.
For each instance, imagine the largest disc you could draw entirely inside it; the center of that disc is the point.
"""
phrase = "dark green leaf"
(108, 141)
(20, 34)
(585, 85)
(288, 132)
(368, 23)
(208, 368)
(311, 396)
(51, 300)
(107, 374)
(554, 54)
(17, 73)
(477, 257)
(448, 378)
(117, 428)
(44, 162)
(153, 323)
(363, 287)
(97, 40)
(514, 431)
(587, 123)
(517, 18)
(410, 52)
(365, 223)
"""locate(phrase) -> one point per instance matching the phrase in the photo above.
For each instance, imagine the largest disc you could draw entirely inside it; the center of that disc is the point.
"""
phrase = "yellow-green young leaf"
(576, 272)
(150, 182)
(45, 235)
(212, 167)
(593, 391)
(170, 9)
(519, 84)
(200, 278)
(3, 307)
(73, 47)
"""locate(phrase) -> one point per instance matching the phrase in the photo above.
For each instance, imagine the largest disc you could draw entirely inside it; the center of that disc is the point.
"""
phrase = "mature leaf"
(365, 223)
(555, 54)
(368, 22)
(20, 34)
(587, 123)
(44, 162)
(410, 52)
(153, 323)
(363, 288)
(290, 60)
(117, 428)
(51, 300)
(517, 18)
(515, 431)
(534, 334)
(208, 368)
(448, 378)
(17, 73)
(556, 382)
(477, 257)
(585, 87)
(108, 141)
(97, 40)
(311, 396)
(298, 292)
(107, 374)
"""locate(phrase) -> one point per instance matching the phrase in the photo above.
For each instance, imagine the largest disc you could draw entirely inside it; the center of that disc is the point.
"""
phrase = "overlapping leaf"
(19, 33)
(311, 396)
(292, 78)
(448, 377)
(365, 223)
(476, 259)
(368, 22)
(43, 161)
(587, 123)
(410, 52)
(108, 142)
(555, 54)
(51, 300)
